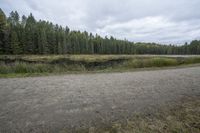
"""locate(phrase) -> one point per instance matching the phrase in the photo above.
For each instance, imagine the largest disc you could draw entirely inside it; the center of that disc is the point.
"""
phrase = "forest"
(26, 35)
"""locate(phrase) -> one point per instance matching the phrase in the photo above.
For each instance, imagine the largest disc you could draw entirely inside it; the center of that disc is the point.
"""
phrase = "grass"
(23, 68)
(183, 117)
(27, 65)
(150, 62)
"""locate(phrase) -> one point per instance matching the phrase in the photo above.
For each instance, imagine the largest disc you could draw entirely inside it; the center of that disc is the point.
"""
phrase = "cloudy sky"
(170, 21)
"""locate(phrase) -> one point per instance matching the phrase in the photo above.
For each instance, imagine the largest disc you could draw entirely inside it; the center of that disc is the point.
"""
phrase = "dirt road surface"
(37, 104)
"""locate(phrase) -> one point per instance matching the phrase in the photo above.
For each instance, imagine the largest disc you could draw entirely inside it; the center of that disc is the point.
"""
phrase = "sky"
(160, 21)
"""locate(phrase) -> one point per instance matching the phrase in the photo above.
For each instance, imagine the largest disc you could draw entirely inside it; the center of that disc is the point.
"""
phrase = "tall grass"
(60, 65)
(20, 67)
(150, 62)
(192, 60)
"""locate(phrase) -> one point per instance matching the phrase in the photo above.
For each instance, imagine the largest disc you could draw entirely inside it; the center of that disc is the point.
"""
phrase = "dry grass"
(42, 64)
(182, 118)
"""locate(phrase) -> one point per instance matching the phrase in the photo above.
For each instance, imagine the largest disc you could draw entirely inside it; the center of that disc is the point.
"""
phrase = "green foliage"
(27, 36)
(15, 43)
(2, 31)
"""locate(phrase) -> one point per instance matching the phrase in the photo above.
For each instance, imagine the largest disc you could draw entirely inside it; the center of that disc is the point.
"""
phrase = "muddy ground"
(54, 103)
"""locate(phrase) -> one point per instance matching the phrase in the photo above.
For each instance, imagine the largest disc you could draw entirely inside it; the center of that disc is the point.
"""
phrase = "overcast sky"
(163, 21)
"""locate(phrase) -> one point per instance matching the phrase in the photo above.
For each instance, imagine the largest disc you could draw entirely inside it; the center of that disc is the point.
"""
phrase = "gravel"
(50, 104)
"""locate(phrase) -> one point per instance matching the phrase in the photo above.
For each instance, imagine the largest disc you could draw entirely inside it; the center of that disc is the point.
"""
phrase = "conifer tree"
(25, 35)
(15, 44)
(2, 31)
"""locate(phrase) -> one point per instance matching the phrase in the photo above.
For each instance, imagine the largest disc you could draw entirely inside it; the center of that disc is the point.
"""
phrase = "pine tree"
(2, 31)
(44, 43)
(64, 43)
(30, 34)
(59, 48)
(15, 45)
(14, 18)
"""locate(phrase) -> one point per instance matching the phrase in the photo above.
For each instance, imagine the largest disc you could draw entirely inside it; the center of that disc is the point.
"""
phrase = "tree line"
(26, 35)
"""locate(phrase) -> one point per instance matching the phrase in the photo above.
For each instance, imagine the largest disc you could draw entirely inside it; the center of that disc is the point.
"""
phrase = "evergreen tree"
(2, 31)
(13, 19)
(30, 34)
(25, 35)
(15, 45)
(42, 43)
(59, 48)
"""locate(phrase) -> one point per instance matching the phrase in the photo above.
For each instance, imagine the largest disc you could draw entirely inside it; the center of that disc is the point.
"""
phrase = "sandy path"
(52, 103)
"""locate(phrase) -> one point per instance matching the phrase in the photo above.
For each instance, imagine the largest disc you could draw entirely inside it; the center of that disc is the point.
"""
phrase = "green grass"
(48, 64)
(22, 68)
(150, 62)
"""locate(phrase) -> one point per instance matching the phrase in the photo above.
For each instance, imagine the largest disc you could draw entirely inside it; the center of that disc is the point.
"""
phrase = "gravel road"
(37, 104)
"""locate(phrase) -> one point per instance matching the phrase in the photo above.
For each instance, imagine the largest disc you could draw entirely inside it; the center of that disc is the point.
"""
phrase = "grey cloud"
(171, 21)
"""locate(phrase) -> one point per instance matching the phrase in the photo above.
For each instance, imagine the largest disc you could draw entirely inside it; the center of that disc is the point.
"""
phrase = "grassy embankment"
(30, 65)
